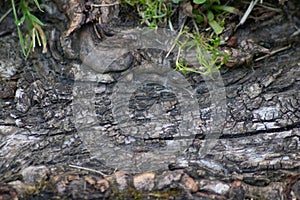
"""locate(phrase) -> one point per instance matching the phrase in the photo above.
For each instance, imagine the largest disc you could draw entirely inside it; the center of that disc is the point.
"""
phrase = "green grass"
(33, 35)
(202, 13)
(208, 57)
(152, 12)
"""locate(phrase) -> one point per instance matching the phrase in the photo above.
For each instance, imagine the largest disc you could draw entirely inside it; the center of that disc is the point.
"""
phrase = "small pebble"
(34, 174)
(189, 183)
(144, 181)
(122, 179)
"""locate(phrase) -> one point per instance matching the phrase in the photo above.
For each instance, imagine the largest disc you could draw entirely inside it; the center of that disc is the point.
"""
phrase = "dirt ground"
(60, 137)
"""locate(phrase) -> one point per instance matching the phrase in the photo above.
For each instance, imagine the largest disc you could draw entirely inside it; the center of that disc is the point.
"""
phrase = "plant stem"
(14, 11)
(18, 28)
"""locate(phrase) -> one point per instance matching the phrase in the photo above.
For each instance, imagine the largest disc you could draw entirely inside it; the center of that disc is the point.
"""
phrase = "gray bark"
(259, 142)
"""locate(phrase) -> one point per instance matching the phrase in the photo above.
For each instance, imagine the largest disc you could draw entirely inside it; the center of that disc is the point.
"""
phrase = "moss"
(37, 188)
(132, 193)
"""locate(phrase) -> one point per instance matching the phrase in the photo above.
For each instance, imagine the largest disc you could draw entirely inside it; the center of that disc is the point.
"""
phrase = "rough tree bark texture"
(256, 156)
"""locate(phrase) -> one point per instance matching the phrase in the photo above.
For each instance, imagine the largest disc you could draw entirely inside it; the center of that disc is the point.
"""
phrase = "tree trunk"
(55, 119)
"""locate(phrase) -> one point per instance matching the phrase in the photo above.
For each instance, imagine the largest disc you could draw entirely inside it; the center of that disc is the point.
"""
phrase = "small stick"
(273, 52)
(5, 15)
(174, 44)
(196, 27)
(104, 5)
(270, 8)
(296, 32)
(247, 13)
(96, 31)
(88, 169)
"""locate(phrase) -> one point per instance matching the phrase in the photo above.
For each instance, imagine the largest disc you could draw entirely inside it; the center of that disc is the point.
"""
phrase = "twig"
(96, 31)
(297, 32)
(88, 169)
(270, 8)
(175, 40)
(104, 5)
(247, 13)
(170, 25)
(169, 20)
(5, 15)
(273, 52)
(196, 27)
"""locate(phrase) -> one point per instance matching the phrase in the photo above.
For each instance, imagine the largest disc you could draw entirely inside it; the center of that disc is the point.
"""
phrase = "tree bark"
(256, 155)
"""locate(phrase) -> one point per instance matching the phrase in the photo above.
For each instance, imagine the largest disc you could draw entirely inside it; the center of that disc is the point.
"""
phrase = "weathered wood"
(257, 152)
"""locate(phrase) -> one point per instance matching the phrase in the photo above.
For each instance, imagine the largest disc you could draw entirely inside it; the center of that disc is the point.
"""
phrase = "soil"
(64, 126)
